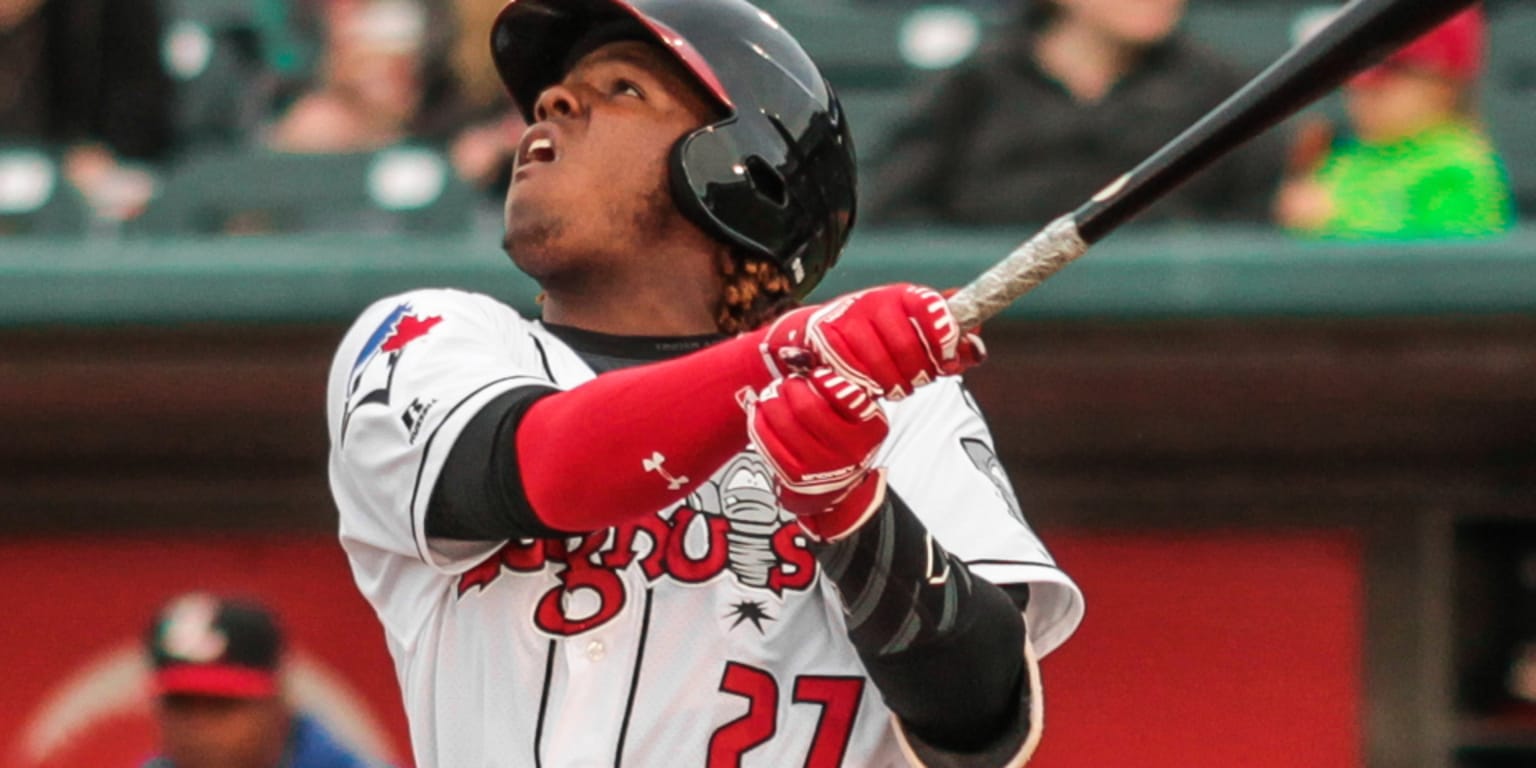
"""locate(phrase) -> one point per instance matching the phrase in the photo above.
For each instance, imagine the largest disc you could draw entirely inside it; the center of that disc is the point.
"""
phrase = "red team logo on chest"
(732, 525)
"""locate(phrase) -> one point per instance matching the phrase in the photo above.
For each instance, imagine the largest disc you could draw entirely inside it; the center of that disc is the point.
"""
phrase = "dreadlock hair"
(755, 292)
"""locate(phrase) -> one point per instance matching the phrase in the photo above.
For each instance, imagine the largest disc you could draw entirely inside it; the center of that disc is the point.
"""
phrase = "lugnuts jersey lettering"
(699, 635)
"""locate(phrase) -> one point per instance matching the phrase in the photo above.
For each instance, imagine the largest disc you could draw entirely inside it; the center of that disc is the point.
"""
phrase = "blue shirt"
(309, 746)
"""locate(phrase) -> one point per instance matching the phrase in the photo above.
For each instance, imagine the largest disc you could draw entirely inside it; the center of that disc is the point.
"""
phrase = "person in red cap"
(1417, 165)
(218, 700)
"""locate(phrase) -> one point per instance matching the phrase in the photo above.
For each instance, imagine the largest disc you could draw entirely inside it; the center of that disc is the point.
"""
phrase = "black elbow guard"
(945, 648)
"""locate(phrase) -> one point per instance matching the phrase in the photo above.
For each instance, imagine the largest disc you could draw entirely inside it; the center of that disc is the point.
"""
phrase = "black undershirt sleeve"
(945, 647)
(479, 494)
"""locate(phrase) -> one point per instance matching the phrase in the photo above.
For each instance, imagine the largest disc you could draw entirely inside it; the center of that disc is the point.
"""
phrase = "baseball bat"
(1362, 33)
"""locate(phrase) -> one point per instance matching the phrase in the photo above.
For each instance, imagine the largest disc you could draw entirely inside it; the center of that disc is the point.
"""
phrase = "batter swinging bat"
(1363, 33)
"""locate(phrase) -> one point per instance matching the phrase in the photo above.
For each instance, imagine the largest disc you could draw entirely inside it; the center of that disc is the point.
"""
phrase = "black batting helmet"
(775, 177)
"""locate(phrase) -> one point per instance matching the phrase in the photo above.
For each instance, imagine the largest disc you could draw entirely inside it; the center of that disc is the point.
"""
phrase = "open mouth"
(539, 146)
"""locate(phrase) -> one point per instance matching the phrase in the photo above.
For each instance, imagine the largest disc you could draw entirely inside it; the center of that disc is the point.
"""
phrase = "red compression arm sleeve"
(635, 441)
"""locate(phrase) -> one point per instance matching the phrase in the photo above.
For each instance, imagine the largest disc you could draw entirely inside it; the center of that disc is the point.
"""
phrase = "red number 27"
(837, 696)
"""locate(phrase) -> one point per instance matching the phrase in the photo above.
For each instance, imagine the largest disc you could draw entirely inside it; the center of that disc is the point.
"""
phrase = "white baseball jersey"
(699, 635)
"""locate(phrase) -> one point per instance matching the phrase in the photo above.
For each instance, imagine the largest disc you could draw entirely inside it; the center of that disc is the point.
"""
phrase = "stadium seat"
(35, 198)
(400, 189)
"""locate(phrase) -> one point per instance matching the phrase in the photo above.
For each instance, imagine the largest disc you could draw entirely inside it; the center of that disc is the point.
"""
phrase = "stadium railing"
(1181, 272)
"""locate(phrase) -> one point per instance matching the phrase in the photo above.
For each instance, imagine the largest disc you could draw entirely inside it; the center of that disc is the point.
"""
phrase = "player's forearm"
(634, 441)
(655, 432)
(945, 647)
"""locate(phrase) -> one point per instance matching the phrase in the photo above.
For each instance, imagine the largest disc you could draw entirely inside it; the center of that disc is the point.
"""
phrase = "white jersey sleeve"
(406, 379)
(942, 463)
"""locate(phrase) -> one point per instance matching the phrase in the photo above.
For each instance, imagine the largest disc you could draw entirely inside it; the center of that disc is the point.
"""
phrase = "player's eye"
(622, 87)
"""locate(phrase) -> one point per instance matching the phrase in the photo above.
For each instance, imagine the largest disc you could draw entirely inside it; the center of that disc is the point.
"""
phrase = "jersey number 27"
(838, 697)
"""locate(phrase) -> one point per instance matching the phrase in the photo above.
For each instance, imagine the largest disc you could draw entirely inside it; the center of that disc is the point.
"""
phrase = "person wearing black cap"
(218, 698)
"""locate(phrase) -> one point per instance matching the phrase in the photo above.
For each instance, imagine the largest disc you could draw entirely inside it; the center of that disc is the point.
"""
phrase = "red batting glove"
(888, 340)
(819, 434)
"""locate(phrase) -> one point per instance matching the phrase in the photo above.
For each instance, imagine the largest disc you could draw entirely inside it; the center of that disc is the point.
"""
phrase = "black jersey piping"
(634, 678)
(538, 728)
(543, 358)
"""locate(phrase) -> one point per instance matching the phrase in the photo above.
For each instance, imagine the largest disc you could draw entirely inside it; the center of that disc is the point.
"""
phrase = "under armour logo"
(654, 464)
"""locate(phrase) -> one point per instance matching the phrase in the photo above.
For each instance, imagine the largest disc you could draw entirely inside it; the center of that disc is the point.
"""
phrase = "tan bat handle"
(1028, 266)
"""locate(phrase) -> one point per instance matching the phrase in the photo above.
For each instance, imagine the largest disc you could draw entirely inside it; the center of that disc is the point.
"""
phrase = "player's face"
(589, 185)
(1389, 103)
(216, 732)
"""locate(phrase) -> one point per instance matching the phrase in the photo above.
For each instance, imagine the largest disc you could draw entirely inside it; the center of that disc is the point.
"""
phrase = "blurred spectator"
(218, 697)
(378, 84)
(1417, 164)
(1068, 98)
(482, 152)
(85, 76)
(234, 65)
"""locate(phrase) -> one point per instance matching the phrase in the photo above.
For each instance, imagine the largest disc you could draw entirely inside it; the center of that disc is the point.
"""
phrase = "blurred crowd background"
(1280, 430)
(237, 116)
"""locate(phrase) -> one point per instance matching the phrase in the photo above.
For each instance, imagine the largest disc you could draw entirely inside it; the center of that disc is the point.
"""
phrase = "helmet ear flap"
(758, 206)
(686, 190)
(714, 188)
(767, 181)
(743, 199)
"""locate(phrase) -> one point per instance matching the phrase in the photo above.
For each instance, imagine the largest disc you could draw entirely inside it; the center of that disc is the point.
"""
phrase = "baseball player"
(677, 520)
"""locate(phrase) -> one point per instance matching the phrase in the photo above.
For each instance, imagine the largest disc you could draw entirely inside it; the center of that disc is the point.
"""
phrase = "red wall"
(71, 602)
(1209, 650)
(1198, 650)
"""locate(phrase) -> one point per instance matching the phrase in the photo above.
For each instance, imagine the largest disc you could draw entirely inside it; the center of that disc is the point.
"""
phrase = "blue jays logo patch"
(373, 373)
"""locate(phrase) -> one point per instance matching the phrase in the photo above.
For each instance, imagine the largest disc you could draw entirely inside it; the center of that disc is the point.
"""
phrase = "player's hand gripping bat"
(1363, 33)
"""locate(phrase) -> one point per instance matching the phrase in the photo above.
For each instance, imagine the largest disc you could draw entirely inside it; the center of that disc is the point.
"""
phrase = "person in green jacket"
(1417, 165)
